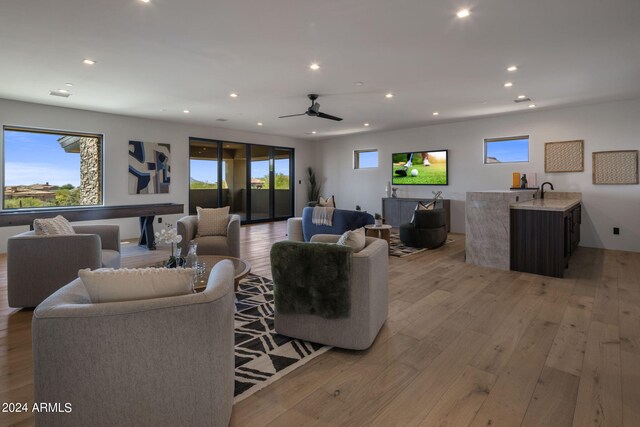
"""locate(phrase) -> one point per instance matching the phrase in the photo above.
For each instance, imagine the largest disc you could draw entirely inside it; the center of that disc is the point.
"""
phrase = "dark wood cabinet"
(399, 210)
(542, 241)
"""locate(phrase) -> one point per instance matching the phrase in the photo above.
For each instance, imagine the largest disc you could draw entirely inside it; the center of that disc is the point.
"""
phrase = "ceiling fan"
(314, 110)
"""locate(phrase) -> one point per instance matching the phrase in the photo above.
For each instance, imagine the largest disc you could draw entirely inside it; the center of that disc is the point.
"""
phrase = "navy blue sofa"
(343, 220)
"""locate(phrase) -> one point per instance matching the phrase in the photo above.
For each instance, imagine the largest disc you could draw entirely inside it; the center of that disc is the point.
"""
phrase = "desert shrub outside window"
(50, 168)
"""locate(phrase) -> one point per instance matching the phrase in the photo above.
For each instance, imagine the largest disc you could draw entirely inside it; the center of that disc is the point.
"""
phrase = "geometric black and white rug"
(262, 355)
(397, 248)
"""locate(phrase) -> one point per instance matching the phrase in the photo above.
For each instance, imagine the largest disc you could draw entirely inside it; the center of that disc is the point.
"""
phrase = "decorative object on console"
(523, 181)
(149, 167)
(420, 168)
(615, 167)
(393, 192)
(564, 156)
(515, 180)
(169, 235)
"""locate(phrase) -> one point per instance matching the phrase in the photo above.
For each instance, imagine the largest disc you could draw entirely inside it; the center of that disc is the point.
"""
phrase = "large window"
(44, 169)
(365, 159)
(506, 150)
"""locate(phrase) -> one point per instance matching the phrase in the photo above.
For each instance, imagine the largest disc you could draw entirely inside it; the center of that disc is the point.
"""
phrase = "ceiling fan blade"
(329, 116)
(293, 115)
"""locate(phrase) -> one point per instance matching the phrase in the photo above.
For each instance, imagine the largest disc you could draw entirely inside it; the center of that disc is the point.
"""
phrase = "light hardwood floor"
(463, 345)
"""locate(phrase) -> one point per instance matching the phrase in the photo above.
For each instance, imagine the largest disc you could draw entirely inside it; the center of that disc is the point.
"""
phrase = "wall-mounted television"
(420, 168)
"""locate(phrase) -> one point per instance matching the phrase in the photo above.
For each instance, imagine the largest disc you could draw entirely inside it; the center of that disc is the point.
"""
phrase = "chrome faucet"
(542, 188)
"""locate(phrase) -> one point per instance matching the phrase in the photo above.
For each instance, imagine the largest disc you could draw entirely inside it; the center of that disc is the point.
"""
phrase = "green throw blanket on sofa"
(312, 278)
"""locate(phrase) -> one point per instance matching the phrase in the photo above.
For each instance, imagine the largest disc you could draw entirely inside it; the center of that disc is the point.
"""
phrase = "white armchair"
(228, 245)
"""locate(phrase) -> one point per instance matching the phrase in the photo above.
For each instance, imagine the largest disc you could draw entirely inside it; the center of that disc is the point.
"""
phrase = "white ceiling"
(155, 60)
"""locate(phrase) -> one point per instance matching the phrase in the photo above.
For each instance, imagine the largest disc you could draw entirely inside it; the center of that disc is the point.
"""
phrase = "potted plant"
(378, 219)
(313, 189)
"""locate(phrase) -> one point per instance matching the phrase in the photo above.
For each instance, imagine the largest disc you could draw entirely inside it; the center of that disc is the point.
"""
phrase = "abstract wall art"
(564, 156)
(615, 167)
(149, 167)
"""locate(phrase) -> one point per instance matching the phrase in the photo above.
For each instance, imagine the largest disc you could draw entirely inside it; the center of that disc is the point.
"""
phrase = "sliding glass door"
(255, 181)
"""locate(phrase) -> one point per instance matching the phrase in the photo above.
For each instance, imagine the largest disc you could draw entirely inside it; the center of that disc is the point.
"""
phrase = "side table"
(381, 232)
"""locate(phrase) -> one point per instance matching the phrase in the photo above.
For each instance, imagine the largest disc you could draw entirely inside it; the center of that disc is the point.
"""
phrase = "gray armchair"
(37, 266)
(228, 245)
(155, 362)
(368, 293)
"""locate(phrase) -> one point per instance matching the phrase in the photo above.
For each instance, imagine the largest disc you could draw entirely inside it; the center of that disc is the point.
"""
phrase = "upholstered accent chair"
(37, 266)
(162, 361)
(228, 245)
(295, 265)
(303, 228)
(428, 229)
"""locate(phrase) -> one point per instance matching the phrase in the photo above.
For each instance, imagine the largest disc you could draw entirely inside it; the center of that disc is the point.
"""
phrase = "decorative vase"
(388, 189)
(191, 260)
(393, 192)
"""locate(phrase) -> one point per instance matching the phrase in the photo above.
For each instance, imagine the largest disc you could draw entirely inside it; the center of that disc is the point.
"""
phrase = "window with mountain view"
(44, 169)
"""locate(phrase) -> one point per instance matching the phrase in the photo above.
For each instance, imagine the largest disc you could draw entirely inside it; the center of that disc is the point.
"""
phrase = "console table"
(399, 210)
(91, 213)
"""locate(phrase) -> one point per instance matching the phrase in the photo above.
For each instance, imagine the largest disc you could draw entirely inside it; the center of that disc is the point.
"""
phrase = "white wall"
(118, 130)
(610, 126)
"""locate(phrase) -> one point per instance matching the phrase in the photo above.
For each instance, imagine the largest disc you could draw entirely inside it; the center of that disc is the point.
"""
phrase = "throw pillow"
(212, 222)
(128, 284)
(354, 238)
(422, 207)
(52, 226)
(329, 203)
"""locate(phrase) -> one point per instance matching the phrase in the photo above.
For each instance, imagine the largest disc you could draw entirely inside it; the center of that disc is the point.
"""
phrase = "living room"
(462, 342)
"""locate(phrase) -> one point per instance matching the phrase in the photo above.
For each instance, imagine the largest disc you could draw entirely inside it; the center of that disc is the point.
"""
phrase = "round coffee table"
(381, 232)
(241, 268)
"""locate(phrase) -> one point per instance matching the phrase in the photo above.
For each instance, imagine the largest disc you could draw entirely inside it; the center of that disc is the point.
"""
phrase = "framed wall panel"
(564, 156)
(615, 167)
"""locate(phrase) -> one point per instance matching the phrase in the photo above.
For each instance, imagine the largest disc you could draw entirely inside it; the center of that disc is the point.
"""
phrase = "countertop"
(560, 205)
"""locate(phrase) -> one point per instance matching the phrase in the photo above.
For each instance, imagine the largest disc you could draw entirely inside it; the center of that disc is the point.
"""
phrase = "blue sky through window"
(368, 159)
(207, 170)
(514, 150)
(37, 158)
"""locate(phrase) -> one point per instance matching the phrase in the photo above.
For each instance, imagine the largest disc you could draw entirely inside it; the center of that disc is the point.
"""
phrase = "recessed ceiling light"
(259, 123)
(366, 124)
(186, 111)
(389, 95)
(512, 68)
(532, 105)
(313, 132)
(63, 91)
(314, 66)
(145, 1)
(88, 61)
(233, 95)
(435, 113)
(522, 96)
(463, 13)
(359, 83)
(68, 84)
(508, 84)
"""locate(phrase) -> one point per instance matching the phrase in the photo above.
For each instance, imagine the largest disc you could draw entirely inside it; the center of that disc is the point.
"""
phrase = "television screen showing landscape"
(420, 168)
